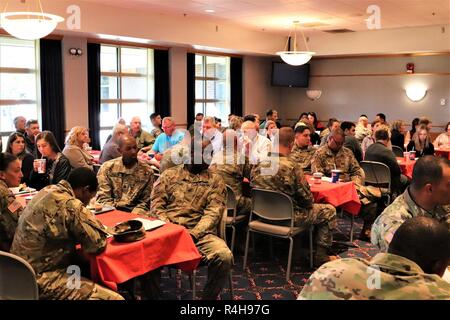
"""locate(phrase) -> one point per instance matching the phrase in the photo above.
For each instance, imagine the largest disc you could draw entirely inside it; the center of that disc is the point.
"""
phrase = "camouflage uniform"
(51, 226)
(399, 211)
(303, 156)
(197, 203)
(144, 139)
(349, 279)
(233, 170)
(10, 210)
(290, 180)
(156, 132)
(127, 189)
(325, 160)
(174, 156)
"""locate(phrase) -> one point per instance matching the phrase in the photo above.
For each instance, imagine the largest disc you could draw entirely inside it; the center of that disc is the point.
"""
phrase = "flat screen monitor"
(285, 75)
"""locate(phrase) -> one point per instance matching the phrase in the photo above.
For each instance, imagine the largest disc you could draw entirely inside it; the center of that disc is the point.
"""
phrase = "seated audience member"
(191, 196)
(302, 152)
(414, 128)
(271, 130)
(290, 180)
(427, 195)
(119, 121)
(317, 126)
(196, 127)
(362, 129)
(380, 152)
(421, 143)
(111, 148)
(51, 226)
(236, 123)
(143, 138)
(230, 165)
(397, 134)
(381, 117)
(333, 124)
(56, 167)
(257, 120)
(350, 140)
(74, 149)
(219, 124)
(211, 133)
(303, 118)
(10, 208)
(19, 124)
(166, 140)
(368, 141)
(271, 115)
(126, 182)
(178, 154)
(32, 130)
(254, 146)
(16, 146)
(443, 140)
(155, 119)
(412, 269)
(334, 156)
(424, 121)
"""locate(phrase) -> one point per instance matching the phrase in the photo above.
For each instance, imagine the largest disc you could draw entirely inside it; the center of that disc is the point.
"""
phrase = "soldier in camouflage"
(290, 180)
(51, 226)
(412, 269)
(176, 155)
(428, 195)
(143, 138)
(10, 208)
(126, 182)
(191, 196)
(230, 164)
(302, 152)
(333, 155)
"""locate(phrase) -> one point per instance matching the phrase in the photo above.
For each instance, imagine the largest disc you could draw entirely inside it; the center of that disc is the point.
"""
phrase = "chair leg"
(193, 279)
(246, 249)
(311, 253)
(233, 234)
(341, 212)
(231, 285)
(288, 271)
(351, 228)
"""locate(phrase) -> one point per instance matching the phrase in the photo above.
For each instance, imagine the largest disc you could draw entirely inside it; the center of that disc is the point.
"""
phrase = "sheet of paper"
(151, 224)
(326, 179)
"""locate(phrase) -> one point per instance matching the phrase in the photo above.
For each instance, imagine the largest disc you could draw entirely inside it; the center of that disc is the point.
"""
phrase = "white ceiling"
(278, 15)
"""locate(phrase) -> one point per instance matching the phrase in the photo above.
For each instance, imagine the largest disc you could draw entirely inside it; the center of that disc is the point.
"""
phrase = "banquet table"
(96, 155)
(442, 152)
(340, 194)
(167, 245)
(407, 166)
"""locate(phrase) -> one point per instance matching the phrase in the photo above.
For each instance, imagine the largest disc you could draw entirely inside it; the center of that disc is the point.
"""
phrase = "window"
(212, 86)
(19, 85)
(127, 86)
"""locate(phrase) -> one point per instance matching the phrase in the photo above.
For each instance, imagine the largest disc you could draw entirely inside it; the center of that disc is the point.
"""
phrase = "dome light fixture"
(295, 57)
(29, 25)
(416, 92)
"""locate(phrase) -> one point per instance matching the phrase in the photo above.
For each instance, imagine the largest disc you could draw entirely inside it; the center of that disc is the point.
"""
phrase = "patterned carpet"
(264, 277)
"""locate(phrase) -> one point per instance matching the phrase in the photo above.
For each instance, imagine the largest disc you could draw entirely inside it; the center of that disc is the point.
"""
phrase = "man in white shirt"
(255, 146)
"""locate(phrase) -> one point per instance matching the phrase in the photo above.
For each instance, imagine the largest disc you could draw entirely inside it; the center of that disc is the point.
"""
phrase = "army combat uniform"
(290, 180)
(144, 139)
(10, 210)
(178, 154)
(385, 277)
(231, 166)
(399, 211)
(125, 189)
(303, 156)
(196, 201)
(49, 229)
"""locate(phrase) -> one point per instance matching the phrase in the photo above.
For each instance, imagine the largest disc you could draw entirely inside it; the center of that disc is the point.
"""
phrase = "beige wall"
(178, 84)
(75, 82)
(348, 97)
(259, 95)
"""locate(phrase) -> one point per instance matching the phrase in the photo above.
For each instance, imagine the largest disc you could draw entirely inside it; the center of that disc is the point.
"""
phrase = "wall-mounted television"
(285, 75)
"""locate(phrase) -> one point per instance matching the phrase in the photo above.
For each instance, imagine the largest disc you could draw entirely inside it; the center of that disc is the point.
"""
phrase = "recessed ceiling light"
(210, 10)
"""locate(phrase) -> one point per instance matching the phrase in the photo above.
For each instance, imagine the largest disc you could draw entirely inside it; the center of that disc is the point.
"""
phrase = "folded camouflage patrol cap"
(128, 231)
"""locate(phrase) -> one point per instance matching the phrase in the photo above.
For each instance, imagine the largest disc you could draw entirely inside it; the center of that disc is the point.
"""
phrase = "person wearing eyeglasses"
(334, 155)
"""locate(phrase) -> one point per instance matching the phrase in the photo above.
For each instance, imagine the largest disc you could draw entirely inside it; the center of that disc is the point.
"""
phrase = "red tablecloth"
(442, 152)
(407, 167)
(169, 244)
(341, 194)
